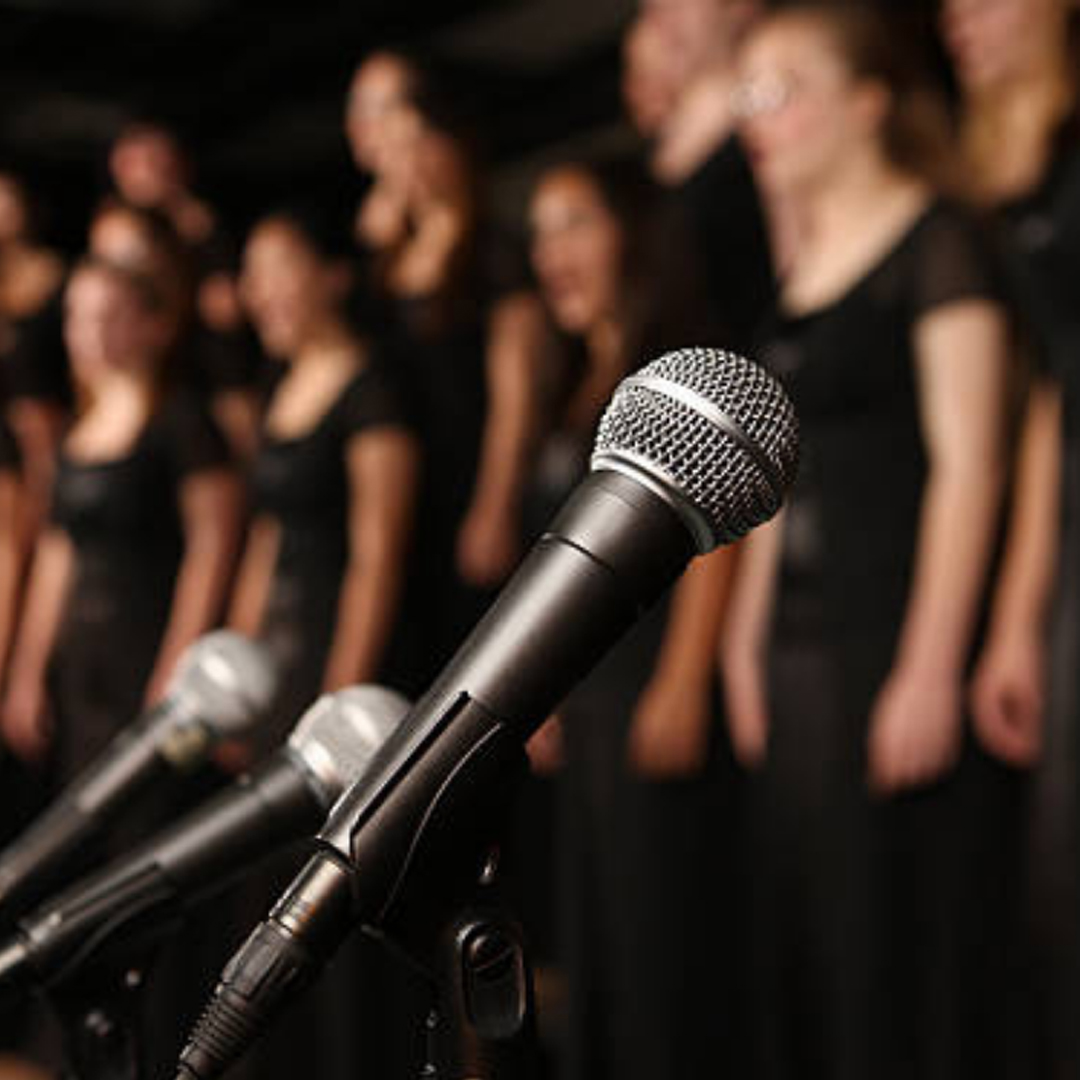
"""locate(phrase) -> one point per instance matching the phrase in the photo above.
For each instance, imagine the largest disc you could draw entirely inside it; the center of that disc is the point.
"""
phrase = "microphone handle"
(33, 862)
(611, 552)
(138, 894)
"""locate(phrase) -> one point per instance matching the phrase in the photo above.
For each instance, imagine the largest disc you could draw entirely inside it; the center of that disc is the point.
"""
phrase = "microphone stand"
(482, 1026)
(101, 1011)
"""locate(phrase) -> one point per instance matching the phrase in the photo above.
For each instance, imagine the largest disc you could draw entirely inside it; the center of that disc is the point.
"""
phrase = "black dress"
(437, 354)
(123, 518)
(360, 1018)
(719, 210)
(1040, 238)
(874, 947)
(645, 885)
(302, 485)
(20, 785)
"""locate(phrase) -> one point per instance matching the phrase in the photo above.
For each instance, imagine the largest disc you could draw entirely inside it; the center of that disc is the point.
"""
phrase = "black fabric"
(721, 212)
(302, 484)
(443, 382)
(33, 362)
(645, 871)
(1040, 239)
(123, 518)
(866, 913)
(364, 1016)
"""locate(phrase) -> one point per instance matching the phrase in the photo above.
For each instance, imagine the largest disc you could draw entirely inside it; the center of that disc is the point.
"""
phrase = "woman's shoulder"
(371, 397)
(952, 255)
(185, 431)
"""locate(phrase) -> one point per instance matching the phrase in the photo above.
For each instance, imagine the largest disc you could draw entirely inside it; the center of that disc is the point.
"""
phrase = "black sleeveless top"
(1039, 237)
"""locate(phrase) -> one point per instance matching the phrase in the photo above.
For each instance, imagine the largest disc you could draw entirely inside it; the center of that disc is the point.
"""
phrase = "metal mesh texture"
(226, 681)
(687, 450)
(338, 736)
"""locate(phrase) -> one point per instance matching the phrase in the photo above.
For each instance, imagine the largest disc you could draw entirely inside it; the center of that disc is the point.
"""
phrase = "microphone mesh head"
(227, 682)
(715, 431)
(338, 736)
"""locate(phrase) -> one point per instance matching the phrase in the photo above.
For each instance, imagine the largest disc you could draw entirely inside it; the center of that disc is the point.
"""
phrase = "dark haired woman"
(854, 615)
(646, 816)
(1016, 64)
(467, 338)
(333, 485)
(334, 476)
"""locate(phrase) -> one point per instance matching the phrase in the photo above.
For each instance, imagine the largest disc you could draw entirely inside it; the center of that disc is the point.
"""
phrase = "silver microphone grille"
(712, 432)
(226, 682)
(338, 736)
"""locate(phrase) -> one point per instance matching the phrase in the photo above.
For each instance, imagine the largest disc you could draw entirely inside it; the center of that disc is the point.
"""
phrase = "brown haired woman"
(133, 565)
(1016, 63)
(466, 333)
(853, 615)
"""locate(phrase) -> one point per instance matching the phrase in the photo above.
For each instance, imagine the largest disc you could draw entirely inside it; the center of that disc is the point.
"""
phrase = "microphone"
(132, 899)
(223, 684)
(694, 450)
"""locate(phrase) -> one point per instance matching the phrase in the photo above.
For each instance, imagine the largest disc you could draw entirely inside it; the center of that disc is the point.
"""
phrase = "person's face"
(13, 217)
(106, 326)
(992, 42)
(577, 249)
(801, 112)
(116, 237)
(650, 83)
(379, 90)
(287, 288)
(147, 168)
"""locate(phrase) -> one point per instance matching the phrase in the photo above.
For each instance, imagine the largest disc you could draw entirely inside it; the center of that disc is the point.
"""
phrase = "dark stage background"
(256, 87)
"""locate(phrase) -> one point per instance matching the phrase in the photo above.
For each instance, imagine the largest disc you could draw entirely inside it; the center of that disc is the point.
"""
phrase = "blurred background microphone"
(136, 897)
(694, 450)
(223, 685)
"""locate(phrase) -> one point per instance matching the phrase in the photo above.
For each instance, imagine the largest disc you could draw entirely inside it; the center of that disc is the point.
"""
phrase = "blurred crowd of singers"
(817, 815)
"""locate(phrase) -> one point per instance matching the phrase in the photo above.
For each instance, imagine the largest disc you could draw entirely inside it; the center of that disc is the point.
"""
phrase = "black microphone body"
(147, 890)
(222, 686)
(137, 896)
(616, 546)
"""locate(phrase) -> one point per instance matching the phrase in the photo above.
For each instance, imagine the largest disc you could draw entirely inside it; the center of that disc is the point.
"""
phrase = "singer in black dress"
(333, 486)
(142, 526)
(130, 568)
(877, 925)
(332, 480)
(1024, 168)
(647, 810)
(465, 336)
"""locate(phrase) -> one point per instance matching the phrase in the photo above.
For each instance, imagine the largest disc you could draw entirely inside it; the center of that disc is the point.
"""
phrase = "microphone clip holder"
(483, 1024)
(101, 1012)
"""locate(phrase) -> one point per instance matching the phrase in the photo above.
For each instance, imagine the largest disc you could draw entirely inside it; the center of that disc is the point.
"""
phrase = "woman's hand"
(747, 707)
(24, 720)
(545, 747)
(1007, 696)
(915, 729)
(669, 735)
(487, 548)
